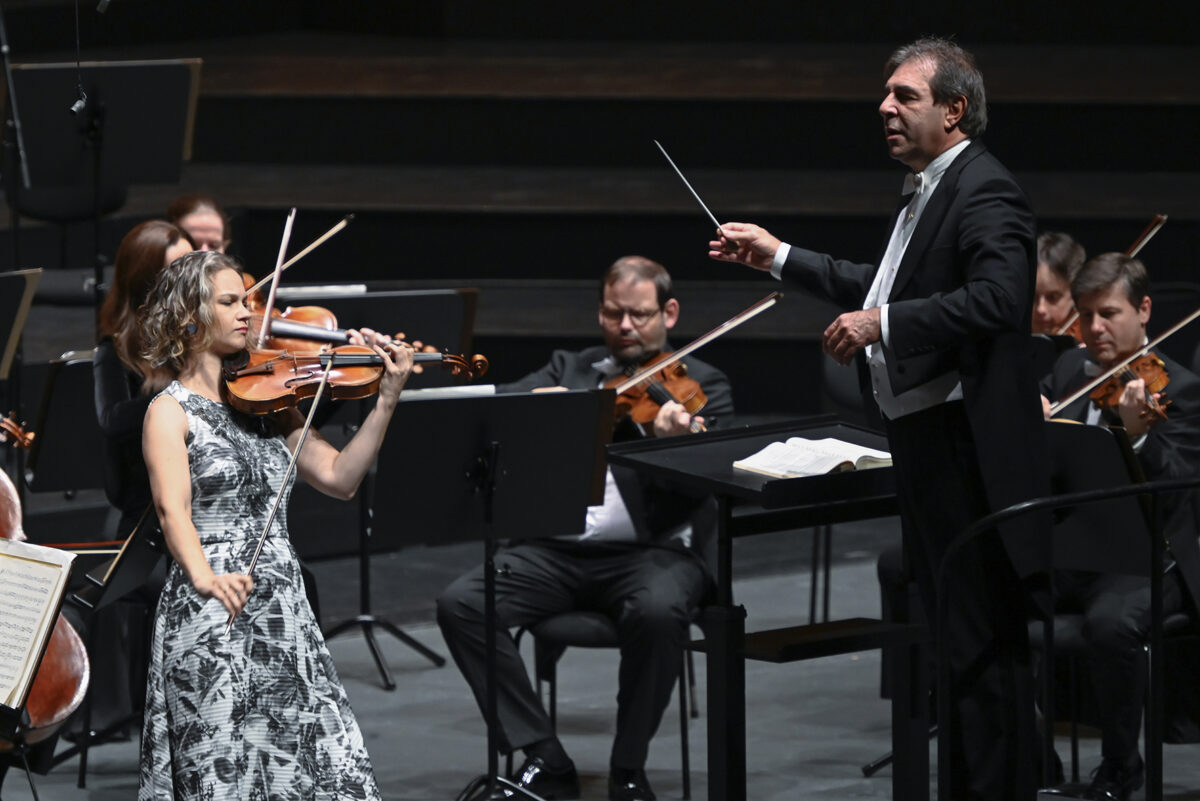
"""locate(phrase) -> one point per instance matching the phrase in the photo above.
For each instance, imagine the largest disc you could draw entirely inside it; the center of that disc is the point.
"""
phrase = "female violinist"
(1059, 257)
(258, 712)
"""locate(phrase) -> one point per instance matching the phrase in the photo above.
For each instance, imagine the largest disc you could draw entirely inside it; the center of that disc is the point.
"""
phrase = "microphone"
(79, 105)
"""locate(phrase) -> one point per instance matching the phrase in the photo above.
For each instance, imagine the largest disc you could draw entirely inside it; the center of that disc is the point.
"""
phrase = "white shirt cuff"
(780, 257)
(883, 325)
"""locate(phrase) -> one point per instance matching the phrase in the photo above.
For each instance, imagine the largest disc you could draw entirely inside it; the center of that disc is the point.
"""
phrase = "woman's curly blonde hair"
(176, 319)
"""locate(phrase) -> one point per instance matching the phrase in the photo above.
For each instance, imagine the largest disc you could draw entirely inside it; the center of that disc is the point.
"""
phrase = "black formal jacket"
(121, 409)
(1171, 449)
(654, 509)
(962, 300)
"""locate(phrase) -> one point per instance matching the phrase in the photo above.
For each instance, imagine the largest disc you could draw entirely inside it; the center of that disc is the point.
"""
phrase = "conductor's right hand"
(744, 243)
(231, 589)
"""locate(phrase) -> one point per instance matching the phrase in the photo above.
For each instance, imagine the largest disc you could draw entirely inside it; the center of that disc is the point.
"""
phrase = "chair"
(581, 629)
(1070, 646)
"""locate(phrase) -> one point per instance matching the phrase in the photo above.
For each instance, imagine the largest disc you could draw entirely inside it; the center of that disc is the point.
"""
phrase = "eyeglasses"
(638, 317)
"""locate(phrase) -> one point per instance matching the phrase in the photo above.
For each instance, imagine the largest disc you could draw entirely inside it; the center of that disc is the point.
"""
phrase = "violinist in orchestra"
(938, 329)
(255, 711)
(204, 220)
(637, 561)
(1059, 257)
(1112, 294)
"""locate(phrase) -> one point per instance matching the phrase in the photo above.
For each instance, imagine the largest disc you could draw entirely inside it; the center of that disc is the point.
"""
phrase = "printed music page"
(33, 580)
(812, 457)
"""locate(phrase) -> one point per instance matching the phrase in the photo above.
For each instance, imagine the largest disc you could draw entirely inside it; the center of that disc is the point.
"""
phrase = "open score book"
(33, 580)
(812, 457)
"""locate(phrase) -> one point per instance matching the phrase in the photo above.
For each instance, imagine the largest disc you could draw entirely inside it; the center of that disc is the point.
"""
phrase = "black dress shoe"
(1115, 780)
(629, 785)
(560, 785)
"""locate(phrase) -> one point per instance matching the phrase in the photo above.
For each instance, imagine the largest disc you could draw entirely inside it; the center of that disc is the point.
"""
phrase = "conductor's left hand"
(850, 333)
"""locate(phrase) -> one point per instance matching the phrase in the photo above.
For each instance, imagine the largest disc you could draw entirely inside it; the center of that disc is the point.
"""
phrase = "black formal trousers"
(1116, 610)
(941, 492)
(649, 592)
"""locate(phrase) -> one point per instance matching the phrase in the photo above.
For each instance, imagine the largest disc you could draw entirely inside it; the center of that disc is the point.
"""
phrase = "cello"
(62, 676)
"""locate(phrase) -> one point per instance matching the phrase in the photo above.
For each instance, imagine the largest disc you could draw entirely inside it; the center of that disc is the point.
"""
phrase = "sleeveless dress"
(258, 714)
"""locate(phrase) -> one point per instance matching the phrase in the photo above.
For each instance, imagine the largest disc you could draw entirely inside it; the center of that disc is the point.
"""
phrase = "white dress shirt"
(610, 520)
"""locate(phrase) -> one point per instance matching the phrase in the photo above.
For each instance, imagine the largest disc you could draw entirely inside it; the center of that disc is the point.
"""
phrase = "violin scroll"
(14, 433)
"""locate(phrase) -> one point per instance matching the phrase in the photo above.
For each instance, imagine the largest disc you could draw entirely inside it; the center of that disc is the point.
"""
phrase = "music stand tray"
(133, 152)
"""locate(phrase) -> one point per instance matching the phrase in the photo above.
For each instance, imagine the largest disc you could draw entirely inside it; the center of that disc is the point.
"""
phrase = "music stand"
(112, 581)
(484, 468)
(79, 164)
(441, 316)
(67, 430)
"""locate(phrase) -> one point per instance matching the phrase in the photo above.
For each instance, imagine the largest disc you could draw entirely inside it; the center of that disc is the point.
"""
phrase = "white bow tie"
(913, 182)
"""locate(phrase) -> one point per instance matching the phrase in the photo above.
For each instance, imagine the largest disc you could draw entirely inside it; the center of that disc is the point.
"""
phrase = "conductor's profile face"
(916, 129)
(634, 325)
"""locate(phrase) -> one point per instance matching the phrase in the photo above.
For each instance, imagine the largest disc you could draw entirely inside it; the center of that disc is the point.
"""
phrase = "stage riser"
(711, 133)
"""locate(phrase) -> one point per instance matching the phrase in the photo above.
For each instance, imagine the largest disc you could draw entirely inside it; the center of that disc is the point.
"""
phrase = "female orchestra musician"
(205, 221)
(124, 380)
(124, 384)
(1059, 257)
(257, 712)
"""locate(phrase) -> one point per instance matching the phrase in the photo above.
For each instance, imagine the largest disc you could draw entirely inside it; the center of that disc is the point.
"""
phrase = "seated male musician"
(1111, 292)
(638, 559)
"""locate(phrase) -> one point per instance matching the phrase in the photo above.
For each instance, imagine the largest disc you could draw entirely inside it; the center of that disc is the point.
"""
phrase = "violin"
(664, 378)
(641, 401)
(1147, 367)
(62, 675)
(266, 381)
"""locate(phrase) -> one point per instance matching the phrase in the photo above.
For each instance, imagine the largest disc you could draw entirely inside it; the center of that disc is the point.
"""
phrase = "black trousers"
(1116, 612)
(941, 492)
(649, 592)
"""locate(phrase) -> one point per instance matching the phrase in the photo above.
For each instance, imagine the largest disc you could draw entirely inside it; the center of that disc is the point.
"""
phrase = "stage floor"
(811, 725)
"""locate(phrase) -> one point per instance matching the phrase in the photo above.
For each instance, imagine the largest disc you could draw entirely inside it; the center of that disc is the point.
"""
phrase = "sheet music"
(32, 582)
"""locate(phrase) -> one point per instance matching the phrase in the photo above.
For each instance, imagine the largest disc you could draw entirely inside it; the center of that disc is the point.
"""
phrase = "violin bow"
(291, 468)
(1143, 239)
(730, 324)
(316, 243)
(1109, 373)
(264, 331)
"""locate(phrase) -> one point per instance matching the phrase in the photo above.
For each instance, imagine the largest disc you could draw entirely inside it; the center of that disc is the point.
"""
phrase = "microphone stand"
(18, 140)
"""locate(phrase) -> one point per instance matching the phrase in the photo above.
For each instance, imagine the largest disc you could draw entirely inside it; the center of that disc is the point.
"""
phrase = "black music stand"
(442, 316)
(112, 581)
(67, 453)
(80, 163)
(703, 463)
(484, 468)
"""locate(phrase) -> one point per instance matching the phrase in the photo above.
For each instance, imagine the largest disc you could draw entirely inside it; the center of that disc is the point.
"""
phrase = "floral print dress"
(258, 714)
